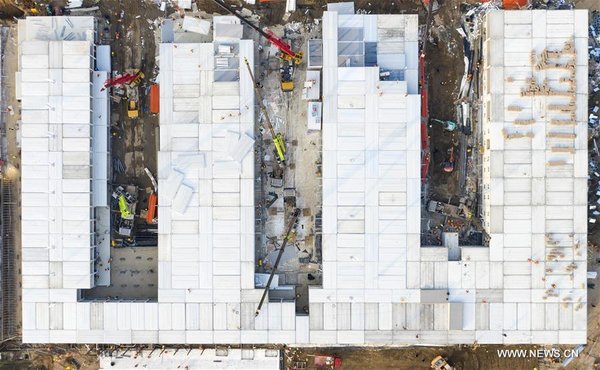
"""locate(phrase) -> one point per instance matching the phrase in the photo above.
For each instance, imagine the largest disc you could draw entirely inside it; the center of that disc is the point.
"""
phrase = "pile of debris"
(472, 19)
(594, 189)
(594, 49)
(552, 4)
(594, 77)
(593, 120)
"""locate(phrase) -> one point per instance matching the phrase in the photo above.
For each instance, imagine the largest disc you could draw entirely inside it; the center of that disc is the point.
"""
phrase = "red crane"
(124, 79)
(425, 152)
(286, 50)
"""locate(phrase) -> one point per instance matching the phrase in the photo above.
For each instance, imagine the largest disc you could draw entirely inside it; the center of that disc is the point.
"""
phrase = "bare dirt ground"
(444, 70)
(464, 358)
(129, 27)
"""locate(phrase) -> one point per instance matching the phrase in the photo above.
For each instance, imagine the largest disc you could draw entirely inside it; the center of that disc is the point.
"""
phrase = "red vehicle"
(154, 99)
(449, 164)
(152, 201)
(286, 51)
(327, 362)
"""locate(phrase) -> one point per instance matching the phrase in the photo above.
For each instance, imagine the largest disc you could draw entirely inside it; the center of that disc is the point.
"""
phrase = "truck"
(132, 109)
(440, 363)
(329, 362)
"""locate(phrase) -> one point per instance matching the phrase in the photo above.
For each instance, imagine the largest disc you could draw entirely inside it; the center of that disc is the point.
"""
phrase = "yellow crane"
(277, 138)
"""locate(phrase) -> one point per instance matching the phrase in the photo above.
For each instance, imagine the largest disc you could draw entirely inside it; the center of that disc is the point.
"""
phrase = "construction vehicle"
(132, 109)
(121, 191)
(288, 235)
(286, 51)
(446, 125)
(287, 75)
(127, 78)
(72, 364)
(277, 138)
(330, 362)
(154, 99)
(448, 165)
(440, 363)
(152, 201)
(124, 208)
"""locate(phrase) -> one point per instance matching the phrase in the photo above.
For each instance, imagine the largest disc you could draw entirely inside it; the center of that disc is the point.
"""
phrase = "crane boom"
(277, 138)
(286, 238)
(287, 51)
(124, 79)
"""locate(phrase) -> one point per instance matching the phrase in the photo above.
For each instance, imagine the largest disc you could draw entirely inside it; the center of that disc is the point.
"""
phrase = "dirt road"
(465, 358)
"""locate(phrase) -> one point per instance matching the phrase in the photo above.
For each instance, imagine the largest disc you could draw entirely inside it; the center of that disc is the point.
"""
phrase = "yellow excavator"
(277, 138)
(124, 208)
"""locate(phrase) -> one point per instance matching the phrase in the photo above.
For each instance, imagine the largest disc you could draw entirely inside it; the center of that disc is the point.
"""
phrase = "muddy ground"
(465, 358)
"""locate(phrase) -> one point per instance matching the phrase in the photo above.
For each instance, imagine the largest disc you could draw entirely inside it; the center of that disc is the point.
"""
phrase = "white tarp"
(238, 148)
(182, 199)
(173, 183)
(184, 4)
(192, 24)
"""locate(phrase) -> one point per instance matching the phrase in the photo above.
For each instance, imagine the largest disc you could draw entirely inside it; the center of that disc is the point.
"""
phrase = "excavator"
(440, 363)
(446, 125)
(448, 166)
(277, 138)
(286, 51)
(124, 208)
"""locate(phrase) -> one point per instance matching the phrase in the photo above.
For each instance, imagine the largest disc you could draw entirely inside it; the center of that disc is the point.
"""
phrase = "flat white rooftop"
(535, 94)
(64, 141)
(380, 286)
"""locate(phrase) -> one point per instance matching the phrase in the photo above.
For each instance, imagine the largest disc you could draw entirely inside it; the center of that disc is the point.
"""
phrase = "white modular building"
(371, 185)
(64, 170)
(534, 183)
(380, 286)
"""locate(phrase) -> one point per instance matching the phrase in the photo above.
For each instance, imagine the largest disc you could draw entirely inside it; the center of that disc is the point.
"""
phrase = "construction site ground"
(135, 143)
(130, 28)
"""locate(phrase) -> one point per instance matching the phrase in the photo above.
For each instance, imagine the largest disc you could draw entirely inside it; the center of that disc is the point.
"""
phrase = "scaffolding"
(7, 263)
